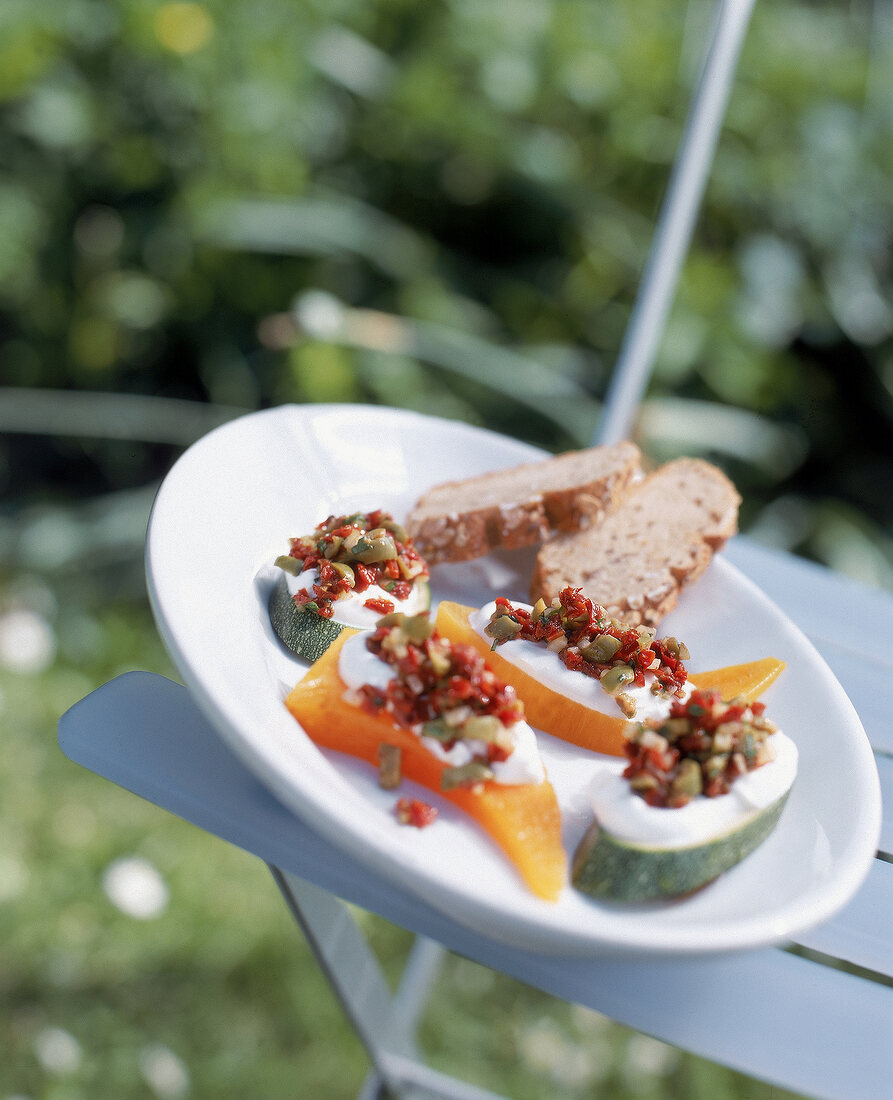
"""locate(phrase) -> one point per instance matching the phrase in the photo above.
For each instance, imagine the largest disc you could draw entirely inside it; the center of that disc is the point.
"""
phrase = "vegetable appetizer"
(451, 705)
(419, 706)
(581, 673)
(703, 788)
(349, 572)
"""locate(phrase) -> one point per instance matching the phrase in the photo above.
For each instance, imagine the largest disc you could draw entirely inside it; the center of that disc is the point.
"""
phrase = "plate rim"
(745, 935)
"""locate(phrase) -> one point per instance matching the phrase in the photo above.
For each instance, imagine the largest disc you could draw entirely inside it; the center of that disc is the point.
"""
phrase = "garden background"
(207, 208)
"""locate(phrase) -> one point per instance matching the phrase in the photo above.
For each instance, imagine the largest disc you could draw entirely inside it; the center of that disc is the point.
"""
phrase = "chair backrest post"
(676, 222)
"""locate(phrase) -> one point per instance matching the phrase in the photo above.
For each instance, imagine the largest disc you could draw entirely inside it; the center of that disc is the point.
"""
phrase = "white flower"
(164, 1072)
(27, 641)
(57, 1050)
(135, 887)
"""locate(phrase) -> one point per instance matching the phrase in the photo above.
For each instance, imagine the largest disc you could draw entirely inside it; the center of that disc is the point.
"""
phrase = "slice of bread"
(660, 537)
(521, 506)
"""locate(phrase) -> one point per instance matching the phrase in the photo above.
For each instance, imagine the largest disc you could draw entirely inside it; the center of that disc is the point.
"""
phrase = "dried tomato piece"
(413, 811)
(382, 606)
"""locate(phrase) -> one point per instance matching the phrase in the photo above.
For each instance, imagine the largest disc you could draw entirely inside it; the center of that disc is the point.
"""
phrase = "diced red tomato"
(382, 606)
(413, 811)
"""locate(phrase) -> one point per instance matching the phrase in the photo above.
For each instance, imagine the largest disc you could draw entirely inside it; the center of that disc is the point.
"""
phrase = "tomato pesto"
(589, 641)
(445, 691)
(351, 554)
(701, 748)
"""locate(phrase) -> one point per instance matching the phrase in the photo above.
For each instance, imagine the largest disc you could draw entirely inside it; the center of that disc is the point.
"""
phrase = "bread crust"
(661, 537)
(522, 506)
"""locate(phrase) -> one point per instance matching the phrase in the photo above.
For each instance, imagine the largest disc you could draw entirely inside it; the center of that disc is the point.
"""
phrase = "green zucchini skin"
(305, 633)
(614, 870)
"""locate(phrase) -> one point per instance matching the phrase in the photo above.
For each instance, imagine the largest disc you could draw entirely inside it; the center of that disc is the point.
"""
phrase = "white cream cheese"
(358, 666)
(630, 818)
(349, 610)
(543, 664)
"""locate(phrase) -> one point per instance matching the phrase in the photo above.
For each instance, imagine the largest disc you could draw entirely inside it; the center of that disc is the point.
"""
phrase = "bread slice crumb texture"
(661, 537)
(523, 505)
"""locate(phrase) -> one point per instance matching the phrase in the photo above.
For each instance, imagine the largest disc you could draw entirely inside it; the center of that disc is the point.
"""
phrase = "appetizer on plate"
(581, 673)
(419, 706)
(350, 571)
(703, 788)
(447, 705)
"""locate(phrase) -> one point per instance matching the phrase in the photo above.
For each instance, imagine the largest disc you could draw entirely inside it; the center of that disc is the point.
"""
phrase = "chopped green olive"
(389, 766)
(617, 678)
(576, 621)
(678, 649)
(466, 775)
(687, 780)
(601, 649)
(439, 730)
(673, 728)
(502, 628)
(396, 529)
(714, 766)
(344, 571)
(484, 727)
(440, 660)
(373, 550)
(290, 565)
(393, 618)
(418, 628)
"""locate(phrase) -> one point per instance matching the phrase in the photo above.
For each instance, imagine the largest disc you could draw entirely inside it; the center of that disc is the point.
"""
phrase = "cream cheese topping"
(543, 664)
(627, 816)
(358, 666)
(349, 609)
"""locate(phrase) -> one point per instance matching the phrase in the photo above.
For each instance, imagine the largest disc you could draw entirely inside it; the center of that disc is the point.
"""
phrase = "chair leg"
(384, 1022)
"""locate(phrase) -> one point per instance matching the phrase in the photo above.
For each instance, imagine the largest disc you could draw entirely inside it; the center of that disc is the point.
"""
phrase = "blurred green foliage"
(254, 203)
(445, 206)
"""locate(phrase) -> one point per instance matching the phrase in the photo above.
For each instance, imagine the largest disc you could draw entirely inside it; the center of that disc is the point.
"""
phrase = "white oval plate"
(228, 508)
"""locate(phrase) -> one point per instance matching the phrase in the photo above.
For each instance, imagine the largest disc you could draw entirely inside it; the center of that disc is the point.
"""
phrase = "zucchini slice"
(604, 866)
(305, 633)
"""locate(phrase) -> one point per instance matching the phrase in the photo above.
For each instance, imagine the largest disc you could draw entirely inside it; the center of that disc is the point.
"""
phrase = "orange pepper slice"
(747, 681)
(523, 820)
